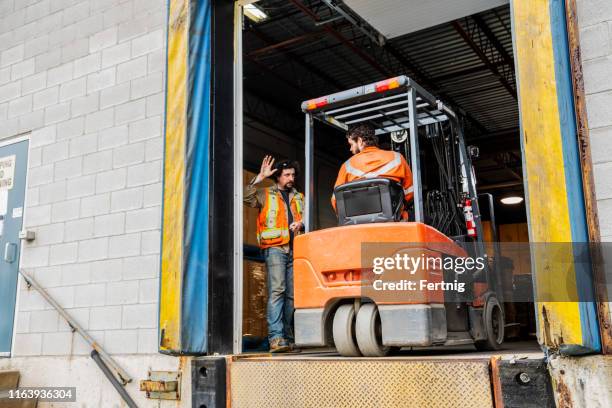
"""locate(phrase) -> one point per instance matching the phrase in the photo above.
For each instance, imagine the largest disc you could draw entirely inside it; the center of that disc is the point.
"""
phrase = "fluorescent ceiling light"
(512, 200)
(254, 13)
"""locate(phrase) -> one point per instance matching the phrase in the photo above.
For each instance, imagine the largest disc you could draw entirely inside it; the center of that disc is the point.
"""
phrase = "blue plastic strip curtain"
(194, 299)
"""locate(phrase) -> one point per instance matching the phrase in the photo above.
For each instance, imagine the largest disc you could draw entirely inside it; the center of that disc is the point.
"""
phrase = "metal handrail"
(31, 282)
(107, 373)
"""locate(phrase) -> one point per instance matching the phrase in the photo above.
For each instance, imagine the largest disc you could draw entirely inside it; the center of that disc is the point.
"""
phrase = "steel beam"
(342, 39)
(483, 47)
(493, 39)
(294, 58)
(284, 44)
(468, 71)
(476, 89)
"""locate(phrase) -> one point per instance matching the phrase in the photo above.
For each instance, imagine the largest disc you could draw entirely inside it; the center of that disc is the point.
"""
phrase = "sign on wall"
(7, 172)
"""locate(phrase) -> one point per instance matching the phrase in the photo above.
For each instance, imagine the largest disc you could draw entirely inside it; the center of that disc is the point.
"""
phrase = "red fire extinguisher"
(469, 218)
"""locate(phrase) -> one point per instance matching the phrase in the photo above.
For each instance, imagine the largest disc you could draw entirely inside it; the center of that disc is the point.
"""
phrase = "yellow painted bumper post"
(564, 296)
(174, 173)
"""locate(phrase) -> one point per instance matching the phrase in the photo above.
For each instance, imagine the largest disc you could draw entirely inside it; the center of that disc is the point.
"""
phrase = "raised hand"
(266, 167)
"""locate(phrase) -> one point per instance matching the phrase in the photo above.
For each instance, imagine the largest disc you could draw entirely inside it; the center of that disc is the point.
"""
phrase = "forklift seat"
(369, 201)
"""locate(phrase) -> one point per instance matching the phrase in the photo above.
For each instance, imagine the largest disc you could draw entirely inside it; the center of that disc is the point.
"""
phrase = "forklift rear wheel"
(344, 331)
(493, 317)
(369, 332)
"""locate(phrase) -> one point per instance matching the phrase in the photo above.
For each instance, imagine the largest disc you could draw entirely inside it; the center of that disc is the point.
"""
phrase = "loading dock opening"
(307, 49)
(552, 162)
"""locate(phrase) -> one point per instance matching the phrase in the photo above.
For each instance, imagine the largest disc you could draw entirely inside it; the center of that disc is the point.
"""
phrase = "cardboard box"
(255, 298)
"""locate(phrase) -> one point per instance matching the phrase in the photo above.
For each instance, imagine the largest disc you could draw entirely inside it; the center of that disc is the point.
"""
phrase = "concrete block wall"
(595, 26)
(85, 79)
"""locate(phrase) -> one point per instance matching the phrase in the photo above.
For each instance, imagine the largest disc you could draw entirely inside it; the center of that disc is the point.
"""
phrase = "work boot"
(278, 345)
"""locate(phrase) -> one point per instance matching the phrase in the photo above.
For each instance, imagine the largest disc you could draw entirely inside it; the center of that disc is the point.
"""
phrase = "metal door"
(13, 167)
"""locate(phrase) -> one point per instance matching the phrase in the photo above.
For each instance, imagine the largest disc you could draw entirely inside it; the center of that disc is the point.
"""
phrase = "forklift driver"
(369, 161)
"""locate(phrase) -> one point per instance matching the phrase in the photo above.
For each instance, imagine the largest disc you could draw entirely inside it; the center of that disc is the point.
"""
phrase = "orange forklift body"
(328, 263)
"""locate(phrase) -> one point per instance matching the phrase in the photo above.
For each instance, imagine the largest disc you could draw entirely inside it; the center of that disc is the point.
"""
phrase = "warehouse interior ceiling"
(393, 18)
(310, 48)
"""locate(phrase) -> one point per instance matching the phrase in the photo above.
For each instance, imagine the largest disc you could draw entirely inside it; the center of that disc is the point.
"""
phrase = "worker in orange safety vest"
(369, 161)
(281, 209)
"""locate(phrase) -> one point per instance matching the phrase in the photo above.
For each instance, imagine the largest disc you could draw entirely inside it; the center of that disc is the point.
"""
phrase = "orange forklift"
(334, 301)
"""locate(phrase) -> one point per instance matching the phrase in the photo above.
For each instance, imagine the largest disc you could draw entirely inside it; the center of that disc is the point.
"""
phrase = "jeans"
(279, 266)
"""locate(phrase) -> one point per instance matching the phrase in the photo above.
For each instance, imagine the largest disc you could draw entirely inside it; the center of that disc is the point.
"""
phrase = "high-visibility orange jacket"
(273, 218)
(373, 162)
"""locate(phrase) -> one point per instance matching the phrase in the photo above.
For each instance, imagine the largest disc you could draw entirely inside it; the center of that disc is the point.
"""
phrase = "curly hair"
(286, 164)
(365, 131)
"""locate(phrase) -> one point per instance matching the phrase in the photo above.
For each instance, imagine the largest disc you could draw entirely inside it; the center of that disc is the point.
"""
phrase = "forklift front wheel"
(493, 317)
(369, 332)
(344, 331)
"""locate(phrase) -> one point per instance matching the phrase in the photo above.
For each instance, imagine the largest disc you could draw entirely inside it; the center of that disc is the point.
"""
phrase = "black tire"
(493, 321)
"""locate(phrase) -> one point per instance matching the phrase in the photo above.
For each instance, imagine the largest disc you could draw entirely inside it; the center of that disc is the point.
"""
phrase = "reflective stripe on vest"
(374, 173)
(298, 204)
(272, 233)
(350, 169)
(272, 210)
